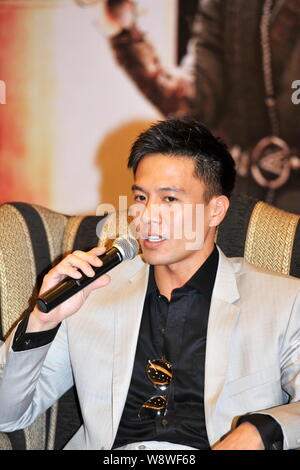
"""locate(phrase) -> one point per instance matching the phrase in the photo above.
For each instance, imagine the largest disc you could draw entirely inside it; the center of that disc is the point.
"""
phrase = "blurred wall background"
(70, 113)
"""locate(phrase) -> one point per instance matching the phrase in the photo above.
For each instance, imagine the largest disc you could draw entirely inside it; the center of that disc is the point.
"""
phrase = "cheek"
(192, 220)
(184, 221)
(172, 222)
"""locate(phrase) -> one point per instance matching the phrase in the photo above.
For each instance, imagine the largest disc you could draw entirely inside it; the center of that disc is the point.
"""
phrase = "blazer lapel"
(222, 319)
(127, 324)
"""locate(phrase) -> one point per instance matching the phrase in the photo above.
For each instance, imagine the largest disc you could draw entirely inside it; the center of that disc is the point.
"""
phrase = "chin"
(158, 259)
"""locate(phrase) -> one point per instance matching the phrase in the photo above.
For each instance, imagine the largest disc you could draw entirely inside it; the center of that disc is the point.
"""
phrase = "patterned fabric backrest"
(30, 242)
(265, 235)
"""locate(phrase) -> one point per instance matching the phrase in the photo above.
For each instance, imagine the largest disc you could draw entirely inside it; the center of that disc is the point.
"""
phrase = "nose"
(151, 213)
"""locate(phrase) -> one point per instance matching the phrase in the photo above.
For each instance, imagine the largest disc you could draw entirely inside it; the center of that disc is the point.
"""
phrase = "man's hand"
(244, 437)
(69, 266)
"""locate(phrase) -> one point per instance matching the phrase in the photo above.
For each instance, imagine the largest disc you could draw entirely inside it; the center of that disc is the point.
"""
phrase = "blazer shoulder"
(243, 267)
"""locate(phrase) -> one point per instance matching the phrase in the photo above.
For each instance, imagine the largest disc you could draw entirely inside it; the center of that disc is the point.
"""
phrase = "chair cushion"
(265, 235)
(30, 242)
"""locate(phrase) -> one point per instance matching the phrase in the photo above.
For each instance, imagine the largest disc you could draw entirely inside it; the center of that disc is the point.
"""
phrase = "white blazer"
(252, 355)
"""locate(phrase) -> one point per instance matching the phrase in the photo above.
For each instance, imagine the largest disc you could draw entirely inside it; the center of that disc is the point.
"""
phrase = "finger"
(62, 270)
(98, 250)
(58, 274)
(77, 262)
(70, 271)
(89, 257)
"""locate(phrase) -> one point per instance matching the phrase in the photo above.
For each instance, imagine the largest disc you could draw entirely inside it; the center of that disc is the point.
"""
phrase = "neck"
(170, 277)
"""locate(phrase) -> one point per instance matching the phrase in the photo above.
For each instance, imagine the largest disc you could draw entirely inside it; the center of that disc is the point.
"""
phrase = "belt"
(271, 154)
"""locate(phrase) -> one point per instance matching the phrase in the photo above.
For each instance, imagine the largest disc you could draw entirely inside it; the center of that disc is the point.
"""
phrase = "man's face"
(172, 219)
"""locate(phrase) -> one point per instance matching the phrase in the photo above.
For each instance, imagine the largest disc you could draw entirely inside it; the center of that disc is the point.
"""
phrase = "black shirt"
(176, 331)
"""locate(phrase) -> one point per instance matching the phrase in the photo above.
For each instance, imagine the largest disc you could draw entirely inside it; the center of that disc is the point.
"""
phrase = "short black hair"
(189, 138)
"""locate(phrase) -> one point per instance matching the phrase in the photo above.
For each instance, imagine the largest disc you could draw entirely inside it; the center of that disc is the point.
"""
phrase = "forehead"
(168, 167)
(159, 173)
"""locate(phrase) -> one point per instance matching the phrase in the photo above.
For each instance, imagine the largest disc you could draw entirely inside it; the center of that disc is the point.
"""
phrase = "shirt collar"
(203, 280)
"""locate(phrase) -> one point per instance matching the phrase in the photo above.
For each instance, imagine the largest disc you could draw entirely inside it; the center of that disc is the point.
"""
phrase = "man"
(183, 348)
(237, 77)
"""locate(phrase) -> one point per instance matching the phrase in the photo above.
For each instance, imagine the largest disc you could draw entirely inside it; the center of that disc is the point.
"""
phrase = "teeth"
(155, 238)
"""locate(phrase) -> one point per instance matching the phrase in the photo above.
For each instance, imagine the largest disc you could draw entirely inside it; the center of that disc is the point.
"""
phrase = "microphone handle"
(69, 286)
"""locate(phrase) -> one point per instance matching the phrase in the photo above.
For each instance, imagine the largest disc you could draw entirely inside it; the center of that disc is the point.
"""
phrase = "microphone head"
(128, 246)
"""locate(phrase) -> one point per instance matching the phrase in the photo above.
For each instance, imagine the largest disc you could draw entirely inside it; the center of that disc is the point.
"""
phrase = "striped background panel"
(270, 240)
(295, 263)
(30, 239)
(232, 232)
(246, 217)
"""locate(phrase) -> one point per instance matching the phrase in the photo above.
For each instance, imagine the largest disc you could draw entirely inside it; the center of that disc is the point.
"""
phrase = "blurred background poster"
(70, 113)
(77, 87)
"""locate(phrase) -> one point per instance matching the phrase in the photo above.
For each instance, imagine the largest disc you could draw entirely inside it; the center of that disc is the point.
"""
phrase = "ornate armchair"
(33, 238)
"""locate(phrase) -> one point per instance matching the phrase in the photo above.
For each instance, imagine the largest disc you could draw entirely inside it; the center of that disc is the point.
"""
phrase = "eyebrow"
(135, 187)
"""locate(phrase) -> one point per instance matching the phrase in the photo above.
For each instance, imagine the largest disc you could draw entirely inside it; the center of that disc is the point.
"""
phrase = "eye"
(139, 197)
(170, 199)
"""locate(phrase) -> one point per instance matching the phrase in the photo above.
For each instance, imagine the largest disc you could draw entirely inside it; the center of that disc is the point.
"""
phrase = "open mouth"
(154, 238)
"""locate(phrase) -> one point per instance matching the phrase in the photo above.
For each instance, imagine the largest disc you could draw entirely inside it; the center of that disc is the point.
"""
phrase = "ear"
(218, 207)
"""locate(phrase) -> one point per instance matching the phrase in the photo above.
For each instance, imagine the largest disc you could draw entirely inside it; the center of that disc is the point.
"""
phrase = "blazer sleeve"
(32, 380)
(288, 416)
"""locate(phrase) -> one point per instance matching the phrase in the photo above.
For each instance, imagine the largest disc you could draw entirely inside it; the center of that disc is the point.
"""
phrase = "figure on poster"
(236, 77)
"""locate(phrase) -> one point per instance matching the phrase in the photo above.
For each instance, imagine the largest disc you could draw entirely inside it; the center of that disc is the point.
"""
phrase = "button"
(163, 331)
(164, 422)
(141, 447)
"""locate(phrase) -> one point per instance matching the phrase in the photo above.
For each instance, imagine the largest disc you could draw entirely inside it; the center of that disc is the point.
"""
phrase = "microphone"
(124, 248)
